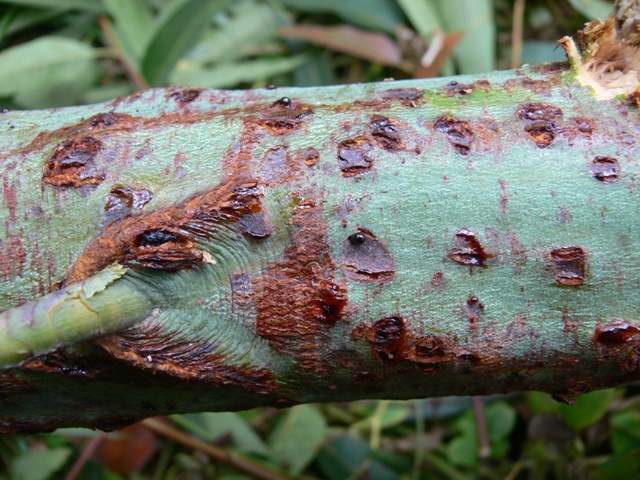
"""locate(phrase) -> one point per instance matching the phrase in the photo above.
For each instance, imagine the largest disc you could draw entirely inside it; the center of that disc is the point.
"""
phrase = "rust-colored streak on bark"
(365, 258)
(166, 238)
(148, 347)
(385, 133)
(540, 122)
(72, 163)
(458, 132)
(432, 349)
(10, 198)
(298, 299)
(468, 250)
(13, 256)
(568, 265)
(185, 96)
(605, 169)
(354, 156)
(617, 332)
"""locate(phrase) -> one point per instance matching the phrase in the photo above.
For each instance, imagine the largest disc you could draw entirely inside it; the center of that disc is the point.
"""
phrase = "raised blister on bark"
(605, 169)
(458, 132)
(365, 258)
(568, 265)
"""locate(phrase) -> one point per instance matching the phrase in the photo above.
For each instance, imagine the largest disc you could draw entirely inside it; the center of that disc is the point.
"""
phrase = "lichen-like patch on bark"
(167, 237)
(365, 258)
(147, 347)
(72, 164)
(458, 132)
(297, 297)
(568, 265)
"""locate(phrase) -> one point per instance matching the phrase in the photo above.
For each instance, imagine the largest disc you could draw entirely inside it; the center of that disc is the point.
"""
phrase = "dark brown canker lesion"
(459, 133)
(365, 258)
(167, 238)
(72, 163)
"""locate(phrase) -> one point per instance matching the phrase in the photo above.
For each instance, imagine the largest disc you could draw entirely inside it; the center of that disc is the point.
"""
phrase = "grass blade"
(176, 37)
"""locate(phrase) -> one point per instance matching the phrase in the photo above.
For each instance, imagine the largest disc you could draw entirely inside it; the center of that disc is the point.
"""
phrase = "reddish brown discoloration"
(504, 196)
(616, 332)
(72, 164)
(354, 156)
(468, 250)
(605, 169)
(386, 339)
(432, 349)
(148, 347)
(475, 310)
(108, 119)
(438, 278)
(540, 122)
(455, 88)
(633, 99)
(9, 198)
(278, 167)
(409, 97)
(518, 254)
(134, 239)
(385, 133)
(185, 96)
(282, 117)
(122, 200)
(13, 256)
(365, 258)
(458, 132)
(568, 265)
(542, 87)
(631, 364)
(311, 156)
(298, 300)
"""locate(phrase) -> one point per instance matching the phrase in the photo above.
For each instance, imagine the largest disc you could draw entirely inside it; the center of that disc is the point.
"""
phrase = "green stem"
(101, 304)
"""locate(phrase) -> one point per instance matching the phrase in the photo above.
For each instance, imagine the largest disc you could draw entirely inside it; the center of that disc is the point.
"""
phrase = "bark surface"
(271, 247)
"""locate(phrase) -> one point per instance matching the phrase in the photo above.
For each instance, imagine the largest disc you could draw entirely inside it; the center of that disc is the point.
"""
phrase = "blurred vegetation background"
(64, 52)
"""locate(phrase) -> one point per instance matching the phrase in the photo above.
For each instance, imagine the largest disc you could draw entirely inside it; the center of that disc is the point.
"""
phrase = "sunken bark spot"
(366, 259)
(385, 133)
(283, 117)
(354, 156)
(458, 132)
(468, 250)
(386, 339)
(616, 332)
(72, 163)
(455, 88)
(185, 96)
(540, 122)
(568, 265)
(605, 169)
(121, 201)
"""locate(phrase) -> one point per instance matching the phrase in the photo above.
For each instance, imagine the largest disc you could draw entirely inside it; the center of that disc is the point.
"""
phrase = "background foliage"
(62, 52)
